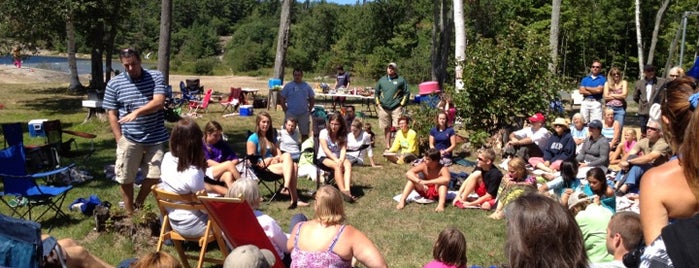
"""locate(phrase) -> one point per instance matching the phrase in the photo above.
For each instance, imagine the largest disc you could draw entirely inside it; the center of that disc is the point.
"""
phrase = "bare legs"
(226, 172)
(289, 170)
(77, 256)
(468, 187)
(127, 194)
(343, 175)
(420, 187)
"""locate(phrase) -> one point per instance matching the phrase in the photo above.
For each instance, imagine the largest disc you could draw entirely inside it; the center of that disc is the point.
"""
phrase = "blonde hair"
(519, 165)
(158, 259)
(246, 189)
(329, 209)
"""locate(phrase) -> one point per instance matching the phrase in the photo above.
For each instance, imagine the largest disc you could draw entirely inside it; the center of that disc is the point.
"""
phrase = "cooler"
(246, 110)
(429, 87)
(36, 128)
(274, 82)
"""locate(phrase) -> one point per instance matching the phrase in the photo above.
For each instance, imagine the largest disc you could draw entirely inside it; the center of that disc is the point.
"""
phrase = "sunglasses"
(596, 67)
(674, 75)
(481, 159)
(616, 74)
(653, 129)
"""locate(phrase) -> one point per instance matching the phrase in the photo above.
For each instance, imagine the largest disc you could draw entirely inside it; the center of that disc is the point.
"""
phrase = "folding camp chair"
(39, 158)
(194, 87)
(22, 246)
(168, 201)
(238, 223)
(265, 176)
(195, 106)
(233, 100)
(12, 133)
(54, 137)
(23, 187)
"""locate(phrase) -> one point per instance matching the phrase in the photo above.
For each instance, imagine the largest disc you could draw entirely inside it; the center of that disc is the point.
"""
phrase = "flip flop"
(348, 197)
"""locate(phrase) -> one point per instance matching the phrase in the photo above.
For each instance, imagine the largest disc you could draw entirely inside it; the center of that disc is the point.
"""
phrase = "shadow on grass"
(55, 105)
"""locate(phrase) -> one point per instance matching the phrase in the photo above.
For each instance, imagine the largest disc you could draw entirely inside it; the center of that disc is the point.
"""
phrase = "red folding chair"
(195, 106)
(233, 101)
(238, 223)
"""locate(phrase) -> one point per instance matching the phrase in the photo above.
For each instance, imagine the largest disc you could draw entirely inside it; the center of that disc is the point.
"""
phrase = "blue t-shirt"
(297, 97)
(589, 81)
(256, 140)
(442, 139)
(126, 95)
(607, 202)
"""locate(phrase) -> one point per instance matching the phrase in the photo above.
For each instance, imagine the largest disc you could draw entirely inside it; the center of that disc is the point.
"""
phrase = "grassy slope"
(404, 237)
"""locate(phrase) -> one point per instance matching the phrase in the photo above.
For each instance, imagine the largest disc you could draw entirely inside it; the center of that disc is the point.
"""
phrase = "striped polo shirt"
(126, 95)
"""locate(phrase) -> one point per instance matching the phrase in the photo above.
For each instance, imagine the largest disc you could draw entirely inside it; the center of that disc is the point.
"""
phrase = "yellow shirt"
(405, 142)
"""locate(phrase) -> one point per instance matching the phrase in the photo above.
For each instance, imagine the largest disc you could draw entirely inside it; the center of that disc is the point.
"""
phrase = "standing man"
(647, 90)
(342, 80)
(297, 100)
(134, 100)
(391, 95)
(592, 89)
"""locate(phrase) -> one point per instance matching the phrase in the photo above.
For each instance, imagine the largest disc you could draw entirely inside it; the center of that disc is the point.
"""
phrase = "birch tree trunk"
(553, 38)
(164, 42)
(459, 44)
(282, 39)
(639, 42)
(656, 29)
(75, 84)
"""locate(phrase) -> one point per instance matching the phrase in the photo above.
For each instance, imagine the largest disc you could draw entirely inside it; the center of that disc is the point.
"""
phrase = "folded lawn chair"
(238, 223)
(54, 137)
(21, 245)
(23, 187)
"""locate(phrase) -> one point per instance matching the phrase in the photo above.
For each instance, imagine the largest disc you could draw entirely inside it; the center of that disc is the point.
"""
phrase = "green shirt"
(593, 225)
(392, 92)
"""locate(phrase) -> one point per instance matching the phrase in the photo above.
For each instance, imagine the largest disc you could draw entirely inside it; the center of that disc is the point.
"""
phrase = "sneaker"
(121, 204)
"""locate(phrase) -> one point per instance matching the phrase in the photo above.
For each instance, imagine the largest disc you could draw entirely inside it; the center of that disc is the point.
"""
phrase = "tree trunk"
(639, 42)
(671, 51)
(164, 45)
(282, 39)
(75, 84)
(656, 29)
(459, 44)
(553, 37)
(440, 41)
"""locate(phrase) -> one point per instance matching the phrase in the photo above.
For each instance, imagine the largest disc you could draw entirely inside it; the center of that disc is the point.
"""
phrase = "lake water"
(59, 63)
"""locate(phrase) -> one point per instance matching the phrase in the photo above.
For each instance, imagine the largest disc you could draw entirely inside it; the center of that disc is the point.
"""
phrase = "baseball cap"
(537, 117)
(249, 256)
(595, 124)
(393, 65)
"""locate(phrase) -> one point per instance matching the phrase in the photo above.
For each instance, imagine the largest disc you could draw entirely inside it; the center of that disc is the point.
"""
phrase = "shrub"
(204, 66)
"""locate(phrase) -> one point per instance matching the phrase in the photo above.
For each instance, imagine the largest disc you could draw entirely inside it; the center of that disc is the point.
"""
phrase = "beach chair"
(195, 106)
(238, 224)
(12, 132)
(23, 188)
(194, 88)
(168, 201)
(22, 246)
(233, 100)
(54, 137)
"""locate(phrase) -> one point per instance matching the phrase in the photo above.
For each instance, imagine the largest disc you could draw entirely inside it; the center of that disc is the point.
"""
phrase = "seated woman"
(262, 143)
(595, 150)
(248, 190)
(597, 185)
(183, 173)
(289, 139)
(559, 147)
(579, 131)
(515, 183)
(333, 153)
(326, 241)
(220, 158)
(429, 178)
(567, 179)
(611, 129)
(404, 148)
(359, 144)
(484, 181)
(443, 138)
(630, 139)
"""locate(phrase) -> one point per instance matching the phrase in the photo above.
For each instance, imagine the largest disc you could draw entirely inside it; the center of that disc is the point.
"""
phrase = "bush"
(204, 66)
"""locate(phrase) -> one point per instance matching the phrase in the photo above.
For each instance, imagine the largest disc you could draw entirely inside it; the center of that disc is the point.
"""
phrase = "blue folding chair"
(12, 133)
(22, 246)
(23, 188)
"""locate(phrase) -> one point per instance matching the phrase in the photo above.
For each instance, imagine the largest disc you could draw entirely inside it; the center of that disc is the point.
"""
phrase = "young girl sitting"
(630, 138)
(449, 250)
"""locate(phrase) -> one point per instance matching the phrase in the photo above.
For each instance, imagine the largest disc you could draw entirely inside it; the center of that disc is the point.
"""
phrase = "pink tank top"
(318, 259)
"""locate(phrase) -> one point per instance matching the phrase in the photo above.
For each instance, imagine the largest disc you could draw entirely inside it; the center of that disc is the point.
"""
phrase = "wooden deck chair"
(238, 223)
(168, 201)
(195, 106)
(233, 100)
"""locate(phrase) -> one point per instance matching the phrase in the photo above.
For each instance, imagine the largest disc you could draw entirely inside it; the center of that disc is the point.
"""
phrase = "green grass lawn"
(404, 237)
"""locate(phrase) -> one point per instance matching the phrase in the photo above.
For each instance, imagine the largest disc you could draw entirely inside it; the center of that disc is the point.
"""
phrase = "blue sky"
(352, 2)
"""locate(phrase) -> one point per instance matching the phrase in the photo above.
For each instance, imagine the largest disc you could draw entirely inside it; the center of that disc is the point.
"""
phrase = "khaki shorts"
(303, 122)
(130, 156)
(389, 118)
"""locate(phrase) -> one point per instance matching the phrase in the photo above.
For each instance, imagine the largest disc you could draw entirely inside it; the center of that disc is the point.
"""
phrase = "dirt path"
(11, 75)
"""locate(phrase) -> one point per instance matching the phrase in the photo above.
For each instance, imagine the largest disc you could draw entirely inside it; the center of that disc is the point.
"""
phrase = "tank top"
(615, 102)
(318, 259)
(608, 132)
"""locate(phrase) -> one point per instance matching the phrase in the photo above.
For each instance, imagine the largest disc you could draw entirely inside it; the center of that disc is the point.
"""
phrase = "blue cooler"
(274, 82)
(36, 128)
(416, 99)
(246, 110)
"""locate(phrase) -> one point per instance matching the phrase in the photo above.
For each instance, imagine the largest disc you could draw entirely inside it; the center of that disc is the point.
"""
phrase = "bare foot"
(400, 205)
(497, 215)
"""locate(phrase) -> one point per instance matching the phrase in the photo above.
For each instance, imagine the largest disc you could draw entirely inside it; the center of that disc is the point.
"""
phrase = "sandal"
(348, 197)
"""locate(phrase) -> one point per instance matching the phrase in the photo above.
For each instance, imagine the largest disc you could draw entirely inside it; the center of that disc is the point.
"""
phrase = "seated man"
(624, 235)
(527, 142)
(289, 139)
(429, 179)
(404, 148)
(484, 181)
(655, 151)
(349, 114)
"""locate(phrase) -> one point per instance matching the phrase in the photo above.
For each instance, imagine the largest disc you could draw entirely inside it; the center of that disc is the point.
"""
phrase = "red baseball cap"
(537, 117)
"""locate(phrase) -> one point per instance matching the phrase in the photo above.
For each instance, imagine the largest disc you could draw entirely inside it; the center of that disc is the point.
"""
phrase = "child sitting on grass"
(429, 179)
(449, 250)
